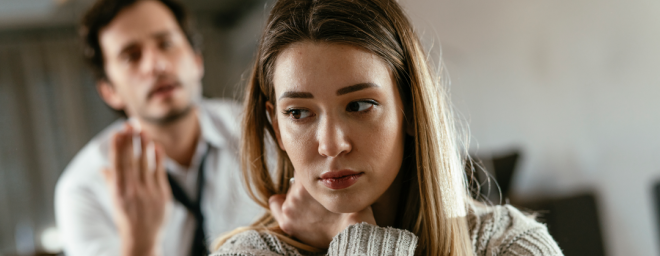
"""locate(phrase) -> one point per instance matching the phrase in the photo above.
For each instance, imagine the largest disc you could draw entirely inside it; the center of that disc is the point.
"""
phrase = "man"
(107, 202)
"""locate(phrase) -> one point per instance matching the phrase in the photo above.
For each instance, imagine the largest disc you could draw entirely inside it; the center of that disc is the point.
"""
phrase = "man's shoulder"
(85, 167)
(224, 117)
(226, 109)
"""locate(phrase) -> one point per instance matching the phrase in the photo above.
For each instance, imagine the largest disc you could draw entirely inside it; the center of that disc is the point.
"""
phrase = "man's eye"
(358, 106)
(297, 113)
(165, 44)
(132, 57)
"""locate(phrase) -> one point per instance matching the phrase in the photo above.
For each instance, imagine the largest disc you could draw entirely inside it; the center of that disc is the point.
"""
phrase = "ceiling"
(18, 14)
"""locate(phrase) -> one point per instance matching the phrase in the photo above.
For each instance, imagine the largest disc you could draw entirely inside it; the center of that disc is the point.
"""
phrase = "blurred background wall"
(574, 85)
(570, 85)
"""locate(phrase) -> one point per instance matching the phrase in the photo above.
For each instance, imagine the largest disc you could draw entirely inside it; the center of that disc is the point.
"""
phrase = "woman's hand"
(139, 191)
(304, 218)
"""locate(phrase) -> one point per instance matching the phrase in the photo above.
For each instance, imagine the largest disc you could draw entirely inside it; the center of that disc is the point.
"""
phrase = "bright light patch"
(50, 240)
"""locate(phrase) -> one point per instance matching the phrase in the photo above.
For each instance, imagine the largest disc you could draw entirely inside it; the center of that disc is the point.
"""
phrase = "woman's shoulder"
(505, 230)
(252, 242)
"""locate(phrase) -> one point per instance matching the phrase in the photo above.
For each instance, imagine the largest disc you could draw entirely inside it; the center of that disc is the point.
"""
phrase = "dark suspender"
(199, 247)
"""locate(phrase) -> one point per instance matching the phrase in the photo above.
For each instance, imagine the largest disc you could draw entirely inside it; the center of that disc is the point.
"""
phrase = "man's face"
(153, 72)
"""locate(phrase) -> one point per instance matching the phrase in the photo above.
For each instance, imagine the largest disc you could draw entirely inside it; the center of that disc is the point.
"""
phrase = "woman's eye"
(358, 106)
(297, 113)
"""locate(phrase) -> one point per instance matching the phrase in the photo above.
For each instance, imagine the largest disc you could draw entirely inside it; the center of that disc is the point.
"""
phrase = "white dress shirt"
(83, 206)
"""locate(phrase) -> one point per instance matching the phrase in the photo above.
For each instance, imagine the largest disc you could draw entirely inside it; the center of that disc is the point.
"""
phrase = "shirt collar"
(210, 131)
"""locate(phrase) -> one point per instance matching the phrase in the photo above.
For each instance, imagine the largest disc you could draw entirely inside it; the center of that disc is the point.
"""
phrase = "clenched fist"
(304, 218)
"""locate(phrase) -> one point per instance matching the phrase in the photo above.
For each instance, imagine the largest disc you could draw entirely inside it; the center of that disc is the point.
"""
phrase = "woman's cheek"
(388, 139)
(298, 146)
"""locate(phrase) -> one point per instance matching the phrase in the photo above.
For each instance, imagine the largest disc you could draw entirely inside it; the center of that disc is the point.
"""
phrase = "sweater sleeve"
(253, 243)
(534, 242)
(506, 231)
(366, 239)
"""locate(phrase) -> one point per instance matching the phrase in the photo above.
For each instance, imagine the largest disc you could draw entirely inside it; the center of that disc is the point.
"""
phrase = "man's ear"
(273, 120)
(199, 60)
(110, 95)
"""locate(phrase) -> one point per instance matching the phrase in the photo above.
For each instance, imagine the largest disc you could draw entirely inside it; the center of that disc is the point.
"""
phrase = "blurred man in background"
(148, 65)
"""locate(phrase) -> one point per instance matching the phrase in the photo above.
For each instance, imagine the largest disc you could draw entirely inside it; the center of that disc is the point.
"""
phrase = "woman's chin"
(338, 205)
(344, 208)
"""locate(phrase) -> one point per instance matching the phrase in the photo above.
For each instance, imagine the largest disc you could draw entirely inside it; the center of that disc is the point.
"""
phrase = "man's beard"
(170, 118)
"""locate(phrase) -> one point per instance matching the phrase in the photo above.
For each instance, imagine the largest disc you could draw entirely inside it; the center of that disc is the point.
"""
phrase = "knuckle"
(288, 210)
(286, 227)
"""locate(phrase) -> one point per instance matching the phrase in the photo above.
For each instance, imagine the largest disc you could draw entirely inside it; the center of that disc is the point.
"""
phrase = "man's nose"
(333, 138)
(155, 62)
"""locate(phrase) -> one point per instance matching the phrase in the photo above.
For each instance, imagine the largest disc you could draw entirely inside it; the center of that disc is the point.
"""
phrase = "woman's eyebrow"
(355, 87)
(342, 91)
(299, 95)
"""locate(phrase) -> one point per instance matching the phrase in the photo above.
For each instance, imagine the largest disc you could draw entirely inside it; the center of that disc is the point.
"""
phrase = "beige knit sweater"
(496, 230)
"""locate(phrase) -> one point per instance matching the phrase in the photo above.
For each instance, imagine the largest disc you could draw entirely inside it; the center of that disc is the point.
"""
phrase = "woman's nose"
(333, 138)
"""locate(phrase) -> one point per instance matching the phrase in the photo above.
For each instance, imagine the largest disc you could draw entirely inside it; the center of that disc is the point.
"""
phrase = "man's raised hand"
(139, 189)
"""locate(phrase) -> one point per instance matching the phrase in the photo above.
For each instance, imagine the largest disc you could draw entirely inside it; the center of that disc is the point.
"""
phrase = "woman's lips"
(339, 179)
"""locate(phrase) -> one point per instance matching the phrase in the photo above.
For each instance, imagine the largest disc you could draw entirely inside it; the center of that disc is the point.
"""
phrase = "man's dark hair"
(104, 11)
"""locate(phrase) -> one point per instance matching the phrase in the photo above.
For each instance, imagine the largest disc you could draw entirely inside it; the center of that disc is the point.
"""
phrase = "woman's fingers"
(276, 203)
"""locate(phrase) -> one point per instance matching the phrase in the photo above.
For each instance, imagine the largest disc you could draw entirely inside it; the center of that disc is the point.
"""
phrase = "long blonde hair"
(434, 180)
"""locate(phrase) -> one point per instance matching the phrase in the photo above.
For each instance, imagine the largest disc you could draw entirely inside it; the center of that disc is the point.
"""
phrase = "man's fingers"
(131, 152)
(143, 160)
(117, 162)
(160, 174)
(150, 171)
(108, 177)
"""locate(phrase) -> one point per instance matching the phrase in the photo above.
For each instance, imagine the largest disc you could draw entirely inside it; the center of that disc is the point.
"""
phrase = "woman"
(344, 90)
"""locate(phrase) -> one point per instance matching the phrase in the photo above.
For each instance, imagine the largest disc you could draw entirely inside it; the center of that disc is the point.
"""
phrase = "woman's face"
(340, 118)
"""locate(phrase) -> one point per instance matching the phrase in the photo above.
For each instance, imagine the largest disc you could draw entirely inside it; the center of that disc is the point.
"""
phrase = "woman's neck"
(385, 208)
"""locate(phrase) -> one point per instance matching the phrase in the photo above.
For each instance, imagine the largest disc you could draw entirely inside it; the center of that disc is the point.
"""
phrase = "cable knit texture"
(494, 230)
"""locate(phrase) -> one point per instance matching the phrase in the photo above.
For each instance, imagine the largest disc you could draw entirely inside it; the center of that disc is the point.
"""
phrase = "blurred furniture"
(656, 198)
(491, 176)
(572, 221)
(39, 254)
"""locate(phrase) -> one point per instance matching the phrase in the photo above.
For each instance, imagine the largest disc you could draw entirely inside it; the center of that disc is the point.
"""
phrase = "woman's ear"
(273, 121)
